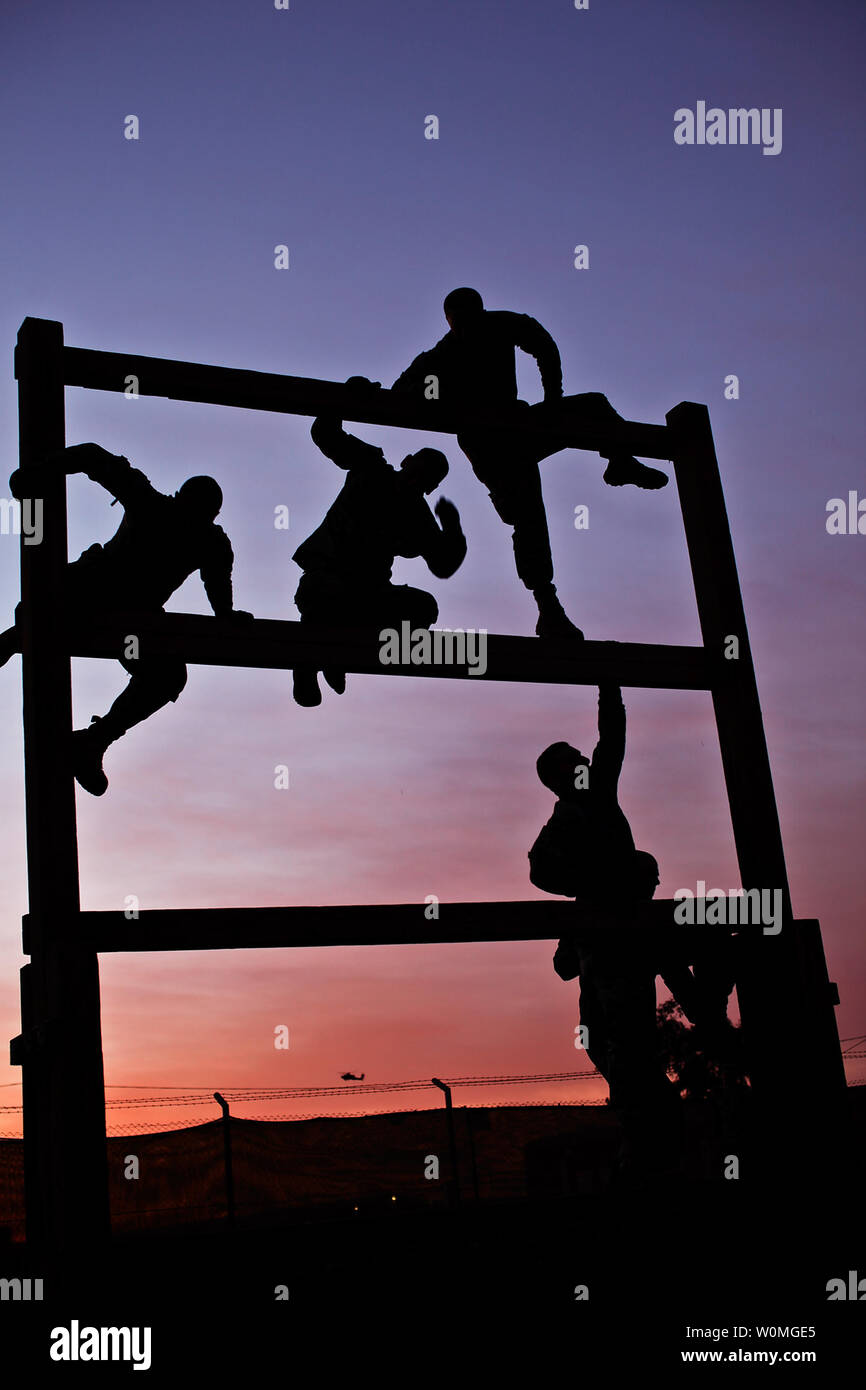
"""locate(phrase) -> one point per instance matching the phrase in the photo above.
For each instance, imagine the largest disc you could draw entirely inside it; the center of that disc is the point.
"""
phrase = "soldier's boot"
(88, 750)
(622, 469)
(553, 621)
(335, 679)
(305, 687)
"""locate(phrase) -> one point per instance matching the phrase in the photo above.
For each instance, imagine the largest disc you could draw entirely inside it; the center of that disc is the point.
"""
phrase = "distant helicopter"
(350, 1076)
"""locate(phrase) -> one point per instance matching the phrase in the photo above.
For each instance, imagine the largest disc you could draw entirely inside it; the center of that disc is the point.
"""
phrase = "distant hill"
(335, 1164)
(295, 1170)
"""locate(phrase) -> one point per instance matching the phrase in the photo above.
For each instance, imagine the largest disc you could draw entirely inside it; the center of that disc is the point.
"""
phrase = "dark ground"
(653, 1262)
(412, 1295)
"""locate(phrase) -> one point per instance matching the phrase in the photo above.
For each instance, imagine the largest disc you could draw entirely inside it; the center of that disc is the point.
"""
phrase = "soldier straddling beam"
(380, 513)
(160, 542)
(473, 366)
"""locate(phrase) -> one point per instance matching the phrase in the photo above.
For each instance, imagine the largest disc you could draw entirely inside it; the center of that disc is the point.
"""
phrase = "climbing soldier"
(471, 370)
(380, 513)
(160, 542)
(586, 851)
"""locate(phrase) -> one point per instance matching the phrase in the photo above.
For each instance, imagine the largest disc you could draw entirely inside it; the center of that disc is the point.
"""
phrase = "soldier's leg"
(327, 598)
(714, 963)
(646, 1101)
(516, 494)
(401, 603)
(629, 1001)
(154, 682)
(10, 643)
(514, 484)
(10, 640)
(523, 499)
(591, 1015)
(318, 600)
(714, 970)
(560, 421)
(386, 606)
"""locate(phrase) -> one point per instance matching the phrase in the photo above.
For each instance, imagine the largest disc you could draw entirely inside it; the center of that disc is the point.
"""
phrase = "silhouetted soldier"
(381, 512)
(586, 851)
(473, 367)
(160, 542)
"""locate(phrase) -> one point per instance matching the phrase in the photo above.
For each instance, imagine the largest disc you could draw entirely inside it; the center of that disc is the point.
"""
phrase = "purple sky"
(260, 127)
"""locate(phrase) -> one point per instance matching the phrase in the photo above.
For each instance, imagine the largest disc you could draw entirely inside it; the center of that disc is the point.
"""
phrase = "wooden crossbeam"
(302, 395)
(275, 645)
(389, 924)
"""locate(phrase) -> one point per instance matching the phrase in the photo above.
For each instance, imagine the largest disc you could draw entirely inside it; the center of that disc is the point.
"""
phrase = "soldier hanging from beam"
(380, 513)
(160, 542)
(586, 851)
(472, 369)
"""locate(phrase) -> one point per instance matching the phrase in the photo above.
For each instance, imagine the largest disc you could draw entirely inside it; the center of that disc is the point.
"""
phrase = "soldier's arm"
(343, 449)
(532, 338)
(413, 379)
(445, 547)
(114, 472)
(216, 573)
(607, 759)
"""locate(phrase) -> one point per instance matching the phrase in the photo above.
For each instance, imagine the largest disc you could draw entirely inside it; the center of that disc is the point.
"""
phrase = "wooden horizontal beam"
(302, 395)
(391, 924)
(273, 645)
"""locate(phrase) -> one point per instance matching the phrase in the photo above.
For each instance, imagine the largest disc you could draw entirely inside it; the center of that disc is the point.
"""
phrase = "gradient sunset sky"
(305, 127)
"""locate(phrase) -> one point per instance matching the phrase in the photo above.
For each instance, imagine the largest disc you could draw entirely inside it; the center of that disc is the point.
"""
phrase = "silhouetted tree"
(701, 1065)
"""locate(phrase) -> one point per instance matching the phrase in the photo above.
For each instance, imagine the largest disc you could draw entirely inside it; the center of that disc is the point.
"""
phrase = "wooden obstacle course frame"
(784, 978)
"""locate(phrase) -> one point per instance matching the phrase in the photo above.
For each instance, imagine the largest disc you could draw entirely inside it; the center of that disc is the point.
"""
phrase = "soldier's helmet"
(201, 496)
(434, 466)
(644, 874)
(463, 305)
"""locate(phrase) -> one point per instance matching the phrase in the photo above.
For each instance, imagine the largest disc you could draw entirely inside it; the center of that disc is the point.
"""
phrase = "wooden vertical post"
(781, 988)
(61, 1044)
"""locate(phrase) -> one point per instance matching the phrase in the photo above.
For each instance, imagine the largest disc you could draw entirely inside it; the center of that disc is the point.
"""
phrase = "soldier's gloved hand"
(31, 482)
(447, 512)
